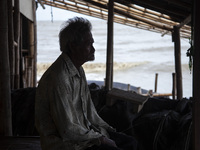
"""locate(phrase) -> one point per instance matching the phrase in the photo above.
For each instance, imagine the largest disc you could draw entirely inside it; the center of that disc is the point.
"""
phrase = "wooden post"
(16, 17)
(173, 85)
(32, 52)
(109, 62)
(5, 97)
(177, 51)
(129, 87)
(35, 46)
(11, 43)
(196, 76)
(156, 82)
(139, 90)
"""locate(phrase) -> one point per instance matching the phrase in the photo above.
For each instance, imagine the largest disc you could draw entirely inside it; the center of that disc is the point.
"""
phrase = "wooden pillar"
(32, 51)
(35, 46)
(5, 97)
(196, 76)
(17, 40)
(11, 43)
(109, 62)
(177, 53)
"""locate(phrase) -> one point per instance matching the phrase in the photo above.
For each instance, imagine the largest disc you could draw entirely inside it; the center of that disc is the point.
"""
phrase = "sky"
(58, 14)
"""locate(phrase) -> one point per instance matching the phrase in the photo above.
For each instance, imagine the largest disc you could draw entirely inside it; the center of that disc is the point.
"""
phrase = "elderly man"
(65, 116)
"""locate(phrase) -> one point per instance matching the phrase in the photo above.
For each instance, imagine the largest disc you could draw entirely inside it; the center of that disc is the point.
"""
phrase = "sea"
(138, 56)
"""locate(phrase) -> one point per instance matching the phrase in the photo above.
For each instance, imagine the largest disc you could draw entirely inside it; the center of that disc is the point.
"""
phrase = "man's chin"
(91, 58)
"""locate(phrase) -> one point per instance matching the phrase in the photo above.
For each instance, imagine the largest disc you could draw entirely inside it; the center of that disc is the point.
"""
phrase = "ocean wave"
(94, 67)
(117, 66)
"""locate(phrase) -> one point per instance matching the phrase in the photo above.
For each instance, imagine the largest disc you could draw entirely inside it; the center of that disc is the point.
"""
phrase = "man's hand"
(107, 141)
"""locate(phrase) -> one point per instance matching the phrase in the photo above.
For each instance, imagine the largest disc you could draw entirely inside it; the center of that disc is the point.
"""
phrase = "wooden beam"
(146, 18)
(178, 68)
(109, 60)
(183, 5)
(186, 21)
(162, 8)
(142, 19)
(196, 77)
(39, 1)
(5, 96)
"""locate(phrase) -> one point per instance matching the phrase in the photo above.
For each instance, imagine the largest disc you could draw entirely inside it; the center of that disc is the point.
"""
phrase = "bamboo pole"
(196, 77)
(98, 9)
(177, 51)
(16, 38)
(11, 43)
(5, 97)
(109, 61)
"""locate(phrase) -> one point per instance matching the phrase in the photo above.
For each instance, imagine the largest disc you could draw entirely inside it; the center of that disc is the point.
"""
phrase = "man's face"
(85, 51)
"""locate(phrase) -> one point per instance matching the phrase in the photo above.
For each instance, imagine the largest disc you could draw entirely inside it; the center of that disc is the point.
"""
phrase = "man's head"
(76, 39)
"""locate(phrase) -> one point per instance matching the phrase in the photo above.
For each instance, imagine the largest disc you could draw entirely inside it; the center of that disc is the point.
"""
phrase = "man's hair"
(73, 31)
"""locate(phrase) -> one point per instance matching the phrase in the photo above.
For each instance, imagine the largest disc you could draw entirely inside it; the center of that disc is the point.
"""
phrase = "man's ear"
(73, 46)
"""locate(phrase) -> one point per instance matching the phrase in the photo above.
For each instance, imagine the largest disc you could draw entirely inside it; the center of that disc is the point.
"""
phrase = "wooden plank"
(127, 96)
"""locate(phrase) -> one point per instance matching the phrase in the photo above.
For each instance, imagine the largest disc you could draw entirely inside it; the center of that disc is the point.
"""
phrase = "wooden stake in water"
(156, 82)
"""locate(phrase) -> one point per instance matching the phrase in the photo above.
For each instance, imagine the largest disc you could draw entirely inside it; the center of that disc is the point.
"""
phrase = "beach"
(138, 55)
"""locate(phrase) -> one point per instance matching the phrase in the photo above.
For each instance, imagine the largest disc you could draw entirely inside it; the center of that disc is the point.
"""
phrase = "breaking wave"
(95, 67)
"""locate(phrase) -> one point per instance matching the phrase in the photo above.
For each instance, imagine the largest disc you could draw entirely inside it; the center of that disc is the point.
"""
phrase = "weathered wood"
(16, 17)
(5, 97)
(109, 60)
(196, 77)
(178, 68)
(118, 94)
(127, 95)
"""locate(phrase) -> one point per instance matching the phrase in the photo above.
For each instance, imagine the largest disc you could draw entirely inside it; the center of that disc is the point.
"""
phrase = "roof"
(153, 15)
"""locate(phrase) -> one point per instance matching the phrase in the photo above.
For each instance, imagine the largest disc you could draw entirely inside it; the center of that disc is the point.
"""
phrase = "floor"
(19, 143)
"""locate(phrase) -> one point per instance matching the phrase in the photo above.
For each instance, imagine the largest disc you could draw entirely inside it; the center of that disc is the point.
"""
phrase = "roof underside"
(153, 15)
